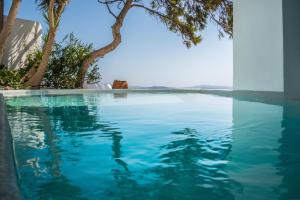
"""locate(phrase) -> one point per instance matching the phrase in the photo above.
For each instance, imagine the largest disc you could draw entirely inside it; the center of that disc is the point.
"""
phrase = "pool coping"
(8, 93)
(269, 97)
(9, 187)
(228, 92)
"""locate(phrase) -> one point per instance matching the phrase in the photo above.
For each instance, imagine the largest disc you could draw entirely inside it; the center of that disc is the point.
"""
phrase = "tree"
(1, 14)
(65, 62)
(184, 17)
(8, 26)
(53, 10)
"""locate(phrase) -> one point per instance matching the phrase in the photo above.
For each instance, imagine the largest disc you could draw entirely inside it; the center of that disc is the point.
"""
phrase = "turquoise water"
(155, 146)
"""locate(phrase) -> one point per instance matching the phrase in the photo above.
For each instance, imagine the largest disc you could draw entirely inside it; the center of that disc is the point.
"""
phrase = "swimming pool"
(155, 146)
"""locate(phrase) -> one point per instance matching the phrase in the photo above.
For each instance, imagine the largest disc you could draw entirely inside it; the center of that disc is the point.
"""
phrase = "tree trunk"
(8, 26)
(37, 78)
(108, 48)
(1, 14)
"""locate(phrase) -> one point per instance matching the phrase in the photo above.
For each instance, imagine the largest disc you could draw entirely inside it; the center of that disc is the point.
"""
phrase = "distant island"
(210, 87)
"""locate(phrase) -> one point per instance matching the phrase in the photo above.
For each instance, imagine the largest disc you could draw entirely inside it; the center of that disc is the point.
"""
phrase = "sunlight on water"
(155, 146)
(91, 100)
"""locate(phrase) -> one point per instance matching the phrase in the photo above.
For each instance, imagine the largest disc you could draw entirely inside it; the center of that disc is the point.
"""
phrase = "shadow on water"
(289, 164)
(276, 127)
(120, 95)
(59, 188)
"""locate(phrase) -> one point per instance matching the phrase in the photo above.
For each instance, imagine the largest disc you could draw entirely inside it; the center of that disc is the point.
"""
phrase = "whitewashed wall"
(258, 45)
(291, 35)
(26, 36)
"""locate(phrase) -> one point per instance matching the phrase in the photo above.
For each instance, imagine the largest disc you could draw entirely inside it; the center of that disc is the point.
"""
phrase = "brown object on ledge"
(8, 88)
(120, 84)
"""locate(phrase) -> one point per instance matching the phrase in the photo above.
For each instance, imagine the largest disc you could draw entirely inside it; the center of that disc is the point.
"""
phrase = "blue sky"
(149, 54)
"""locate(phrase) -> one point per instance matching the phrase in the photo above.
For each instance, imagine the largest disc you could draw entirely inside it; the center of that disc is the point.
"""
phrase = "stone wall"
(9, 188)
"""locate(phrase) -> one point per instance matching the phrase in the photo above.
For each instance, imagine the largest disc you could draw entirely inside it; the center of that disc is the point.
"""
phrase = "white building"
(267, 46)
(25, 37)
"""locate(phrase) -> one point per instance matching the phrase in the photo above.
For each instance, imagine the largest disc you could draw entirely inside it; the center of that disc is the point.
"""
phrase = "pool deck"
(9, 188)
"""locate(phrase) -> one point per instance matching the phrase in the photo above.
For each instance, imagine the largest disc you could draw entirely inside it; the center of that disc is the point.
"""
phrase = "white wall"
(258, 45)
(291, 33)
(25, 37)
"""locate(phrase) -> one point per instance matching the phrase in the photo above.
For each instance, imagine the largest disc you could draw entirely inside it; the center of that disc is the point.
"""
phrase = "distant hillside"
(212, 87)
(151, 87)
(208, 87)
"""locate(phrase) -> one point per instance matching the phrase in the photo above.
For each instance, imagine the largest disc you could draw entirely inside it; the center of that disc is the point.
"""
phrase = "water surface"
(155, 146)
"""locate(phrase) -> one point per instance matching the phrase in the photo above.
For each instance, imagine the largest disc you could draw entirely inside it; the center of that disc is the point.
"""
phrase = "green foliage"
(65, 62)
(187, 18)
(44, 4)
(59, 6)
(11, 78)
(33, 60)
(63, 68)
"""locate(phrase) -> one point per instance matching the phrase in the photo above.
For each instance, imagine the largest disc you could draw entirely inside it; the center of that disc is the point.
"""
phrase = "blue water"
(155, 146)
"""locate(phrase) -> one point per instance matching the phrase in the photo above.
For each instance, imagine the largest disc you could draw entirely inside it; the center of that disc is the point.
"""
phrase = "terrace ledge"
(9, 187)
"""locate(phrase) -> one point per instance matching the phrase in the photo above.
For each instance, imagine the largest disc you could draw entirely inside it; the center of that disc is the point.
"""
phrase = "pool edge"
(274, 98)
(9, 187)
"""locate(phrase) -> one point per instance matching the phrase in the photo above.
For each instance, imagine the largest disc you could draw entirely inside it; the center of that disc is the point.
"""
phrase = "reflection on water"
(289, 153)
(190, 168)
(195, 168)
(196, 147)
(120, 95)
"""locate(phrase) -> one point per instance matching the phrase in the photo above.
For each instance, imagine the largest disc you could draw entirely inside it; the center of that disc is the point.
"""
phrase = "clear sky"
(149, 54)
